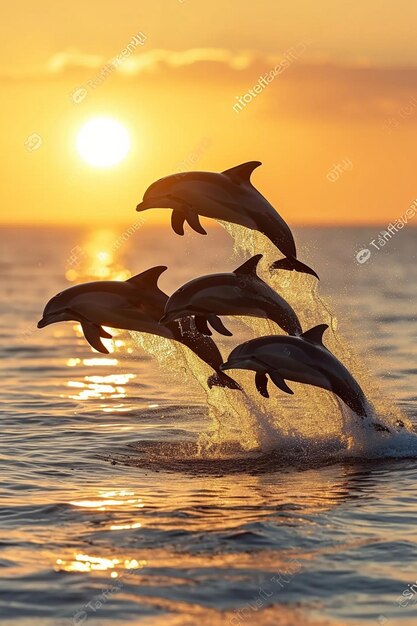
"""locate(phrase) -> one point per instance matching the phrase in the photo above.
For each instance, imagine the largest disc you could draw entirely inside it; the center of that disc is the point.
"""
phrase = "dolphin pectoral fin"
(92, 334)
(104, 333)
(280, 382)
(201, 325)
(194, 221)
(290, 264)
(261, 382)
(177, 222)
(217, 324)
(241, 174)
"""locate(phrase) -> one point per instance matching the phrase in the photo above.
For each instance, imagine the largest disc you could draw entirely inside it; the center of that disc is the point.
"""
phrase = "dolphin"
(227, 196)
(241, 292)
(301, 359)
(135, 304)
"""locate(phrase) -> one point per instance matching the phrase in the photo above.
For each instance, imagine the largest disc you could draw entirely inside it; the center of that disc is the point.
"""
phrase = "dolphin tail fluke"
(222, 380)
(292, 264)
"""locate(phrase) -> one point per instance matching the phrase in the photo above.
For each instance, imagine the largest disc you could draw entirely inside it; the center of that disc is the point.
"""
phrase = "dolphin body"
(136, 304)
(228, 196)
(241, 292)
(301, 359)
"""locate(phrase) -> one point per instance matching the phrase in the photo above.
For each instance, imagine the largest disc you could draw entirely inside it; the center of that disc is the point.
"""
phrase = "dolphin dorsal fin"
(315, 334)
(249, 266)
(240, 174)
(147, 279)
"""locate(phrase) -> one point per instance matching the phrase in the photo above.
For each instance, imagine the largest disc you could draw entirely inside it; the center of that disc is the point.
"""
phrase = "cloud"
(307, 89)
(138, 61)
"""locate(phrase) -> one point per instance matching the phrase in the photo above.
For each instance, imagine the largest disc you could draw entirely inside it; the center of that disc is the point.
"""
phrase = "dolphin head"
(160, 195)
(241, 358)
(57, 310)
(177, 306)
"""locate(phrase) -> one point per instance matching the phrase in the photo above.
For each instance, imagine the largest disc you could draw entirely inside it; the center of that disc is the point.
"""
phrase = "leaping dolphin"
(301, 359)
(136, 304)
(228, 196)
(241, 292)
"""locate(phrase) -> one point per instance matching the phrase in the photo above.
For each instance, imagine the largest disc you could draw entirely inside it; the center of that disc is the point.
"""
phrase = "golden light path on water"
(97, 261)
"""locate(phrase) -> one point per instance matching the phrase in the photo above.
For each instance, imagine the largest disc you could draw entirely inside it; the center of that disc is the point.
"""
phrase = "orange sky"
(335, 129)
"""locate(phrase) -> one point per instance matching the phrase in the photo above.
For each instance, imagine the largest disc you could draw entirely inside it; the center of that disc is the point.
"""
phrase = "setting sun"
(103, 142)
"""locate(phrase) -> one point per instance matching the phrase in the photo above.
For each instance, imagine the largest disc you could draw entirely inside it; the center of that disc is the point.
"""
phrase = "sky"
(335, 127)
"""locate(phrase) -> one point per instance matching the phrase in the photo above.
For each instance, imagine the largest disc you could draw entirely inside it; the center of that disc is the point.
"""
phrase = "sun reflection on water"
(111, 500)
(122, 507)
(100, 387)
(96, 259)
(87, 563)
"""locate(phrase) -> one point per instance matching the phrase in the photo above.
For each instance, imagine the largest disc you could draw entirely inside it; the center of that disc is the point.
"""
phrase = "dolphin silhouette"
(136, 304)
(228, 196)
(241, 292)
(301, 359)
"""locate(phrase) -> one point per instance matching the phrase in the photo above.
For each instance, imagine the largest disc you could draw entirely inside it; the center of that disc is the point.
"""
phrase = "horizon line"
(160, 224)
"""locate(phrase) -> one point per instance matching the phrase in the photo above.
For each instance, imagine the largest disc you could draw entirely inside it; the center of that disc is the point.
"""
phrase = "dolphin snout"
(226, 366)
(49, 318)
(157, 202)
(150, 203)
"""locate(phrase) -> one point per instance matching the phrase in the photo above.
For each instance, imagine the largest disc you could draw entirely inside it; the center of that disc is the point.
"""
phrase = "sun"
(103, 142)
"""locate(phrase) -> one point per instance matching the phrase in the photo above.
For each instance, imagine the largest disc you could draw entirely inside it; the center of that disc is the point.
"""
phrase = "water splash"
(311, 423)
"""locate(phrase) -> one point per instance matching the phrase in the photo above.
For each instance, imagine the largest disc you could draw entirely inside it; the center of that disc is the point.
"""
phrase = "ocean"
(132, 494)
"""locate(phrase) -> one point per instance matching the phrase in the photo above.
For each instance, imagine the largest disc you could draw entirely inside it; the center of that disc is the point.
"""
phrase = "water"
(130, 495)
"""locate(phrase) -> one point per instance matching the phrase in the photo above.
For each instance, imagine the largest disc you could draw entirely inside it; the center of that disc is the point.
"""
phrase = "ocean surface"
(131, 494)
